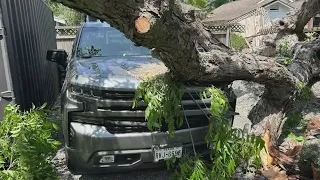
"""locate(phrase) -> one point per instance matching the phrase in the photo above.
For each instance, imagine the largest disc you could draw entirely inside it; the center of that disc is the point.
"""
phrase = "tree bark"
(179, 39)
(296, 20)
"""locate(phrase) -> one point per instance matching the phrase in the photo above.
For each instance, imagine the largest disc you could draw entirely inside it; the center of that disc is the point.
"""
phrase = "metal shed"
(27, 31)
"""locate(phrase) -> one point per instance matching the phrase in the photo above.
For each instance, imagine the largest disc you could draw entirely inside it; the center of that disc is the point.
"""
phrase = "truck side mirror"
(57, 55)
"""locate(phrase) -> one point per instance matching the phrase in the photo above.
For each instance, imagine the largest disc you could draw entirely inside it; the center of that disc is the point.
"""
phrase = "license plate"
(107, 159)
(167, 153)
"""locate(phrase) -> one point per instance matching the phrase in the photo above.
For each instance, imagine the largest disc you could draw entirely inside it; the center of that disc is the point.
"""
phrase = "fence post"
(65, 36)
(228, 39)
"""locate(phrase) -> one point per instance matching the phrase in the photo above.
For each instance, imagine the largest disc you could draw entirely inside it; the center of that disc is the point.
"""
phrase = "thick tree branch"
(296, 20)
(191, 52)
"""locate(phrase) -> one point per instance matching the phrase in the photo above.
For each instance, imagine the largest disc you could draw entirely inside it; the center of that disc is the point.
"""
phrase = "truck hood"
(107, 72)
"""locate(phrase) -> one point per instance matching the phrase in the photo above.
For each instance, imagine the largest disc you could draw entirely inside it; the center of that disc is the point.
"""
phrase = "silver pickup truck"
(102, 132)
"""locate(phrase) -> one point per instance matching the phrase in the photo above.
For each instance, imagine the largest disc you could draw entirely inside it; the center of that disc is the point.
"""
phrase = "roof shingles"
(235, 9)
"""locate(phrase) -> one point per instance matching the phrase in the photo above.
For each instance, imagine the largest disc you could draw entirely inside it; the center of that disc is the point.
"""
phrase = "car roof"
(96, 24)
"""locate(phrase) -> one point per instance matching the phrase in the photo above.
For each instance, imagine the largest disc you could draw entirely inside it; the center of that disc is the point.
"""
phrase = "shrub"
(294, 126)
(238, 42)
(284, 53)
(26, 145)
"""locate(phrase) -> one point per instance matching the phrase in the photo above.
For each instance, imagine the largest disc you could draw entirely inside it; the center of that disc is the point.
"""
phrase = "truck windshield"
(107, 41)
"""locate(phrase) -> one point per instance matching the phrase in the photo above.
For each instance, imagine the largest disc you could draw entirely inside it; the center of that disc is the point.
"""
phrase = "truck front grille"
(114, 110)
(126, 125)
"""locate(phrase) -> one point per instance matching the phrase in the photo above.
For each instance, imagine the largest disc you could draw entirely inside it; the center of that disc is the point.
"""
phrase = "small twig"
(194, 149)
(185, 117)
(11, 164)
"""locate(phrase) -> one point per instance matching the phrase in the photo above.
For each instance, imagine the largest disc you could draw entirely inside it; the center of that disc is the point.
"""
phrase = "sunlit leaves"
(26, 144)
(72, 17)
(162, 96)
(228, 147)
(192, 168)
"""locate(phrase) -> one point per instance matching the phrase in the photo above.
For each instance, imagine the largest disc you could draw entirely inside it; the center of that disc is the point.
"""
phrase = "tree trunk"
(296, 20)
(180, 40)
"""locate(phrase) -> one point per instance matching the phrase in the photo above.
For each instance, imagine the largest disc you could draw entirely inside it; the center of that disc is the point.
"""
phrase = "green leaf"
(134, 103)
(2, 162)
(299, 138)
(43, 106)
(231, 166)
(218, 146)
(156, 125)
(55, 126)
(291, 135)
(56, 143)
(15, 132)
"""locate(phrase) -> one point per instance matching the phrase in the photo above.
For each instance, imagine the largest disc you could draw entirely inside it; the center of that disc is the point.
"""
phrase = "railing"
(67, 30)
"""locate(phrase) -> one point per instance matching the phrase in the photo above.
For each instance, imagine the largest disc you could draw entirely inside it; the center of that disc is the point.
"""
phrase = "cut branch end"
(142, 24)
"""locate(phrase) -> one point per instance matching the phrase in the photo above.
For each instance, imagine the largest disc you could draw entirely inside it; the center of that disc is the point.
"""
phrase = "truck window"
(107, 41)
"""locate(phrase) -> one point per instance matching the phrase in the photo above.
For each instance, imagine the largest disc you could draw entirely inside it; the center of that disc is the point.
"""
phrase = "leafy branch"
(26, 145)
(162, 96)
(229, 148)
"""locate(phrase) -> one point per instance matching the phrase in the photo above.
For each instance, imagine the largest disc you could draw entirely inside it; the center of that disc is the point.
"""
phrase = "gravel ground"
(64, 174)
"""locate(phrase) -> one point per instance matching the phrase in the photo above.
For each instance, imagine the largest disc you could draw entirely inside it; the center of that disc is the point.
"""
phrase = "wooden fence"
(66, 36)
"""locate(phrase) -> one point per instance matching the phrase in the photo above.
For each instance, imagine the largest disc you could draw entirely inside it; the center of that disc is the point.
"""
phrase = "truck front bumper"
(131, 151)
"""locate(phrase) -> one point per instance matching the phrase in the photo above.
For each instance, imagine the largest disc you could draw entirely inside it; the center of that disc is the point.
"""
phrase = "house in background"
(276, 9)
(248, 17)
(314, 24)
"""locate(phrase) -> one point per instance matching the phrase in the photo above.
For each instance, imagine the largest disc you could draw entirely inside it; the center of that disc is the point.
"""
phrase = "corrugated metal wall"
(30, 33)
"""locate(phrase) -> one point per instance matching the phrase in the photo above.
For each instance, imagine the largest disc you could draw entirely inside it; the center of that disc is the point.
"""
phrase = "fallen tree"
(179, 39)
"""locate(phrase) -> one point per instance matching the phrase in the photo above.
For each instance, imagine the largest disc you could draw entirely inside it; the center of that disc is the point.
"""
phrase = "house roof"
(236, 9)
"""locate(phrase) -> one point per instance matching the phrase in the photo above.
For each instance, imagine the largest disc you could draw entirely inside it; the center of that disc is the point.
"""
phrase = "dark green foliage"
(284, 53)
(190, 167)
(218, 3)
(305, 91)
(238, 42)
(26, 145)
(295, 126)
